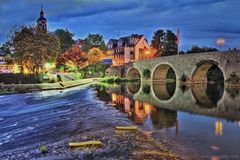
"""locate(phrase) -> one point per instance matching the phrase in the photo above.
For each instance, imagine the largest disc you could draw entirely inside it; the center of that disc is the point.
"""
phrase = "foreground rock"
(121, 145)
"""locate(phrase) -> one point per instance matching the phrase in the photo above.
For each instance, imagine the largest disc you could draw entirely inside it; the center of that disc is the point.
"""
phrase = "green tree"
(165, 42)
(94, 56)
(6, 48)
(171, 43)
(94, 41)
(66, 39)
(197, 49)
(32, 48)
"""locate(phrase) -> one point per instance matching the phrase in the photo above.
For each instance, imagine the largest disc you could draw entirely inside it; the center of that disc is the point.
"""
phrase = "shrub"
(43, 149)
(183, 78)
(52, 80)
(10, 78)
(146, 73)
(79, 75)
(146, 89)
(113, 80)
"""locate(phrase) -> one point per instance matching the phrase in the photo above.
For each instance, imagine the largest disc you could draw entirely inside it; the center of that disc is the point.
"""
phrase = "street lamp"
(220, 42)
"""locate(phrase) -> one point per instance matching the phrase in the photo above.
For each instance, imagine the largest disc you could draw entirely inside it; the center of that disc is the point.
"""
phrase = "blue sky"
(200, 22)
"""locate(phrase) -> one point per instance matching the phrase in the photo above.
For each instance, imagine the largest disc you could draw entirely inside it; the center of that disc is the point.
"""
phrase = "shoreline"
(26, 88)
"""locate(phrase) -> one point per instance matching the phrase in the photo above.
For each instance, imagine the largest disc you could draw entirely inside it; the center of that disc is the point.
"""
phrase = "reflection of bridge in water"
(200, 99)
(139, 101)
(138, 111)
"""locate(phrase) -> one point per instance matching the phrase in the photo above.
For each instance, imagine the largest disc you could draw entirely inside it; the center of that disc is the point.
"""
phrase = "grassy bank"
(112, 80)
(23, 88)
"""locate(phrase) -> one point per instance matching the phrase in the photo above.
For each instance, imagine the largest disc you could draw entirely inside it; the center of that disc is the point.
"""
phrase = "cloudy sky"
(200, 22)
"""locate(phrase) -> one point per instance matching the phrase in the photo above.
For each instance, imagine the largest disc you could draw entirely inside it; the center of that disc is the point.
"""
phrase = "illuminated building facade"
(129, 49)
(4, 67)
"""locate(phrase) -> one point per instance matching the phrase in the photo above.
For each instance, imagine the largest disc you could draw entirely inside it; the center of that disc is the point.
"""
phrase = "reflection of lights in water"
(147, 108)
(114, 97)
(126, 104)
(215, 148)
(219, 128)
(239, 123)
(215, 158)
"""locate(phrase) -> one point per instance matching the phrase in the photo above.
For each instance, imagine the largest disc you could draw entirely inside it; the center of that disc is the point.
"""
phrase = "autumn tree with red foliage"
(72, 58)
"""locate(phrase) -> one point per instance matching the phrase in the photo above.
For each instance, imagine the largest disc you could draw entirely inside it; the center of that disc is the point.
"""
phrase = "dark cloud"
(200, 21)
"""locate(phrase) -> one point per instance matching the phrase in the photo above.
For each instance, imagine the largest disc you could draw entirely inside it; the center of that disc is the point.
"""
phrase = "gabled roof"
(137, 35)
(113, 40)
(127, 40)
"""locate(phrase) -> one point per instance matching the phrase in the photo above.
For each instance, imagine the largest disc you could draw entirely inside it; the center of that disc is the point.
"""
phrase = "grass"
(112, 80)
(43, 149)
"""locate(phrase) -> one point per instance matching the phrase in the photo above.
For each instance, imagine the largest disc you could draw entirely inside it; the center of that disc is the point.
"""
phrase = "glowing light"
(219, 128)
(147, 52)
(147, 108)
(220, 41)
(50, 66)
(215, 158)
(16, 68)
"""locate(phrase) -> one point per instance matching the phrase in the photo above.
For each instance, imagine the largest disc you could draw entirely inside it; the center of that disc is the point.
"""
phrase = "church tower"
(42, 21)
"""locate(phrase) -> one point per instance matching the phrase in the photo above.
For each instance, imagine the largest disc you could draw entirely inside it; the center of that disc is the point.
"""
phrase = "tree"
(32, 48)
(197, 49)
(94, 56)
(171, 43)
(6, 48)
(165, 42)
(94, 41)
(65, 37)
(72, 58)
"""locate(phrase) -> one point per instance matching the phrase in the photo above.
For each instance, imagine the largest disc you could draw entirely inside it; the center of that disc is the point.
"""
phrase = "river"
(202, 120)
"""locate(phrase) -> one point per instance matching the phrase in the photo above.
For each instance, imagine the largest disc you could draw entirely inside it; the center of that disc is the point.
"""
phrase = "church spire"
(41, 12)
(42, 21)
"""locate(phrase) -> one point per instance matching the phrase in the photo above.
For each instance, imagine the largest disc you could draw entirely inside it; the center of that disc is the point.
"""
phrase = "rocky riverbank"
(117, 145)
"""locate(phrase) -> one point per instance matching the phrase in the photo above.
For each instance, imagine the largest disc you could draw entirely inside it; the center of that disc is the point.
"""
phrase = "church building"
(42, 21)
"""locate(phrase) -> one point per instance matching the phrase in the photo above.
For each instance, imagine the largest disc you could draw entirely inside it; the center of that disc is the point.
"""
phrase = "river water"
(203, 120)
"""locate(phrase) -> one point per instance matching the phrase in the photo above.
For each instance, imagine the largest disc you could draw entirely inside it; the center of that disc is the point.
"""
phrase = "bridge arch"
(201, 71)
(163, 71)
(133, 87)
(133, 73)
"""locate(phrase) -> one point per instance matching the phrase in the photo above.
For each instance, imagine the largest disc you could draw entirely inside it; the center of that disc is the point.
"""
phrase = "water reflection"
(168, 118)
(188, 111)
(139, 112)
(134, 87)
(208, 99)
(218, 128)
(164, 91)
(208, 95)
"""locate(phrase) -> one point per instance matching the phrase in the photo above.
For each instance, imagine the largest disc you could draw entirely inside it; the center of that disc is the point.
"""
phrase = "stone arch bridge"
(190, 67)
